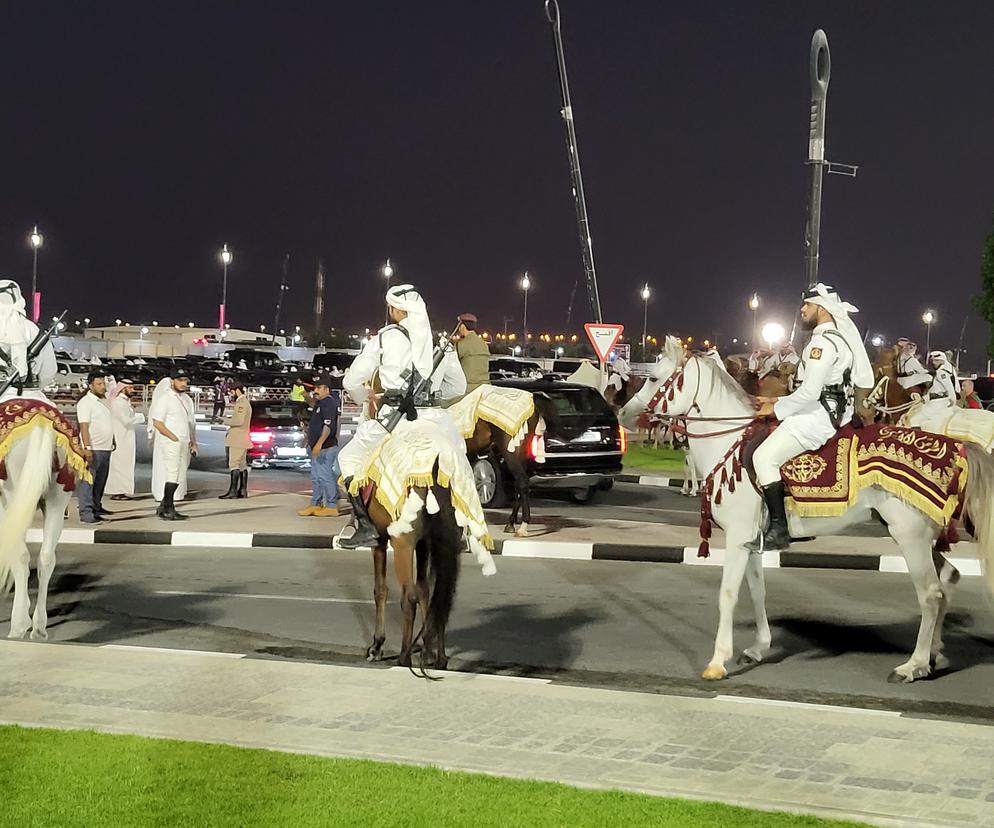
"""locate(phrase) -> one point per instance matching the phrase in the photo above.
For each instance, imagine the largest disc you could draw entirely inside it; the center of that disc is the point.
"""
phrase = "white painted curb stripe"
(661, 482)
(234, 539)
(136, 649)
(896, 563)
(68, 535)
(807, 706)
(538, 549)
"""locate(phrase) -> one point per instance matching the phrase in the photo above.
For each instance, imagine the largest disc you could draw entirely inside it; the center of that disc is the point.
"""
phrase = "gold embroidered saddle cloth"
(509, 409)
(926, 470)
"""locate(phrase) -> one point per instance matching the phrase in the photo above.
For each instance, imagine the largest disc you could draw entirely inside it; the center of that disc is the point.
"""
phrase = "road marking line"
(137, 649)
(234, 539)
(485, 676)
(808, 706)
(563, 550)
(264, 597)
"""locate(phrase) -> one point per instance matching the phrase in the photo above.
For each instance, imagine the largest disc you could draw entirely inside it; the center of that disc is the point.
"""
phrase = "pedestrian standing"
(322, 439)
(173, 419)
(297, 392)
(218, 394)
(238, 442)
(97, 433)
(474, 353)
(121, 479)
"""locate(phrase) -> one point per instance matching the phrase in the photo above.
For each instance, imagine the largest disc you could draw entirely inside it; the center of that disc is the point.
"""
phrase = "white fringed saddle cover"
(509, 409)
(405, 461)
(964, 424)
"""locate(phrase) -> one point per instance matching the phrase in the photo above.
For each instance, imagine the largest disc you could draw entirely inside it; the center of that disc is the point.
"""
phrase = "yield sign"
(603, 338)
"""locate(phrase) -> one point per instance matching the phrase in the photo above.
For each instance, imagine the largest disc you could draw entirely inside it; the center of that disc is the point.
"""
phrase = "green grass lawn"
(60, 778)
(646, 459)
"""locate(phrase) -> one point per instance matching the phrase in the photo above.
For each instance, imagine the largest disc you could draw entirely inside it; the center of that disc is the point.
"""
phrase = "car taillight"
(261, 437)
(622, 439)
(534, 446)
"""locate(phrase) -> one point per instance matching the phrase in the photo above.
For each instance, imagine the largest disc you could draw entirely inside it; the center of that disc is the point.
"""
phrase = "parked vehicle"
(278, 432)
(583, 449)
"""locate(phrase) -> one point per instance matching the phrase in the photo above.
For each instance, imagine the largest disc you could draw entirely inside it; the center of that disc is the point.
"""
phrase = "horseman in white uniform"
(620, 373)
(833, 365)
(945, 386)
(16, 334)
(403, 354)
(910, 371)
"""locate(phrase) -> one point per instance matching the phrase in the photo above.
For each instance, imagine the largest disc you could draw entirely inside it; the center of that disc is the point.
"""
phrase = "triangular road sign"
(603, 338)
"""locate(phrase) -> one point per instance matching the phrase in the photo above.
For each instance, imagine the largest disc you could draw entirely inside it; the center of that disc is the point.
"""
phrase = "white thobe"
(121, 477)
(176, 411)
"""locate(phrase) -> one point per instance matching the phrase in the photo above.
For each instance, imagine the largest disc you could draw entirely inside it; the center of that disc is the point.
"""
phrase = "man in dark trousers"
(218, 398)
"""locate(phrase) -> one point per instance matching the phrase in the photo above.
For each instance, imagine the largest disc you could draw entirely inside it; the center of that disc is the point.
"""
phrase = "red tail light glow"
(622, 439)
(533, 446)
(261, 437)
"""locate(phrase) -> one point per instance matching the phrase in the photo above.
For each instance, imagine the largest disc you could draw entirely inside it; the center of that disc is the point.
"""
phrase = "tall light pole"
(645, 294)
(387, 271)
(754, 307)
(226, 258)
(141, 338)
(928, 318)
(526, 284)
(36, 240)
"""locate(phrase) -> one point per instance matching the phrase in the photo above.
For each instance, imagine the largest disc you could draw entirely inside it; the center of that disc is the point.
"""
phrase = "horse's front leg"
(736, 561)
(54, 508)
(380, 591)
(948, 578)
(20, 616)
(403, 561)
(757, 590)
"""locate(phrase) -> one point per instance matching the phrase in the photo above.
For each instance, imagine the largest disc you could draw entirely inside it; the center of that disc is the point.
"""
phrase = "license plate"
(291, 452)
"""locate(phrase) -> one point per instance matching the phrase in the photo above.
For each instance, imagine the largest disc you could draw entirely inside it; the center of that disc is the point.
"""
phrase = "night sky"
(140, 136)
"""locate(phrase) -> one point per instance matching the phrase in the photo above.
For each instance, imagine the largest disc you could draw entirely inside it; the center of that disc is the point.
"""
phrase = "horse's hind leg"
(403, 562)
(517, 466)
(54, 508)
(948, 578)
(757, 590)
(20, 616)
(380, 590)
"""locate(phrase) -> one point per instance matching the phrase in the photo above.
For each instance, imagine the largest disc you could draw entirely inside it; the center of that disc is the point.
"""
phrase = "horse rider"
(910, 372)
(473, 352)
(403, 354)
(16, 334)
(834, 364)
(619, 374)
(945, 386)
(712, 354)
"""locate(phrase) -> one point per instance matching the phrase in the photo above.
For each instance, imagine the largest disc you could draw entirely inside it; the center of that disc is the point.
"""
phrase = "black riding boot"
(243, 483)
(777, 535)
(365, 535)
(232, 486)
(167, 509)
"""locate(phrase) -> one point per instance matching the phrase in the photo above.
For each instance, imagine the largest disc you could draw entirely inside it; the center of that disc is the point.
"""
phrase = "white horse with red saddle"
(913, 480)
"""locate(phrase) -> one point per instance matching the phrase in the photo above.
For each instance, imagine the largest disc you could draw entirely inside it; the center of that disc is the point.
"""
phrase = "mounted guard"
(834, 364)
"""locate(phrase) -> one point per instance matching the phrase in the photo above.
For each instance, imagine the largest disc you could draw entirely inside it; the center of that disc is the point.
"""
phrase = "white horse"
(716, 411)
(30, 482)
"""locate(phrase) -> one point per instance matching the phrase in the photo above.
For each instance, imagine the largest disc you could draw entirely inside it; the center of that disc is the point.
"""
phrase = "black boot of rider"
(777, 534)
(366, 534)
(243, 483)
(232, 486)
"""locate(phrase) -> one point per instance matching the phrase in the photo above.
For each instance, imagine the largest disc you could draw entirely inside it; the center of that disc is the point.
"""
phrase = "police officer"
(402, 354)
(945, 386)
(910, 371)
(833, 364)
(473, 352)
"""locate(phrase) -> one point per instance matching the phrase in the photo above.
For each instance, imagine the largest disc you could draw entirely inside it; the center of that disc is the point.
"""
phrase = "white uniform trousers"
(772, 453)
(175, 459)
(354, 457)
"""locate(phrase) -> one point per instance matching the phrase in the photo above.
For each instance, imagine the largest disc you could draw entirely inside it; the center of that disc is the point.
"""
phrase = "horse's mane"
(724, 379)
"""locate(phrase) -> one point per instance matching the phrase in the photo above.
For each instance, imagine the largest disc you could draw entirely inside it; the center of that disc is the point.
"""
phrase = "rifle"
(425, 382)
(42, 338)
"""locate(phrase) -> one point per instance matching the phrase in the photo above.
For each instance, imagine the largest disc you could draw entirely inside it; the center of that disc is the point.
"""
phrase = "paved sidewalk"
(874, 766)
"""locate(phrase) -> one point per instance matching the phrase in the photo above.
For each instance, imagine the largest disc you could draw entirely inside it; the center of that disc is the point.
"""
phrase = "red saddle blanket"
(926, 470)
(18, 416)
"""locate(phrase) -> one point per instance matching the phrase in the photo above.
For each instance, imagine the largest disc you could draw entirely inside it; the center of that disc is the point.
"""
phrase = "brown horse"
(489, 440)
(889, 399)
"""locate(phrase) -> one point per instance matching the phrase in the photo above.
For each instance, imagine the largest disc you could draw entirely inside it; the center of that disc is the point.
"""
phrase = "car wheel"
(606, 485)
(583, 496)
(489, 479)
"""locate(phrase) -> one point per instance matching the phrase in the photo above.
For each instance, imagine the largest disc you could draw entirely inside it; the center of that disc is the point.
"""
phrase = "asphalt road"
(837, 634)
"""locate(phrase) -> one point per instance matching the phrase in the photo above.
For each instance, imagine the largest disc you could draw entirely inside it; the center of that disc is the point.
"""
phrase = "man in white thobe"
(833, 366)
(172, 417)
(16, 333)
(945, 386)
(910, 371)
(403, 354)
(121, 479)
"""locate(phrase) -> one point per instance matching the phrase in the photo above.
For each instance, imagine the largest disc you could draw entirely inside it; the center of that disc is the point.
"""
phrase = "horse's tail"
(30, 481)
(549, 421)
(977, 500)
(445, 550)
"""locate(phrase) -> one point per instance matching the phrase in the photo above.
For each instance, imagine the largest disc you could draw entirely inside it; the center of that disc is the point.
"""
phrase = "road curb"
(651, 480)
(509, 548)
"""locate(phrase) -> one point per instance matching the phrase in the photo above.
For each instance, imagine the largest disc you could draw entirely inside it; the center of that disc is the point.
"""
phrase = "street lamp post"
(141, 338)
(773, 333)
(928, 318)
(754, 307)
(226, 258)
(526, 284)
(646, 294)
(36, 240)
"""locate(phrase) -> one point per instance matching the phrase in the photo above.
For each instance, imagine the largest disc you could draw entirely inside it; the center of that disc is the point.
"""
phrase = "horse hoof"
(441, 663)
(39, 635)
(940, 662)
(509, 529)
(521, 531)
(404, 660)
(916, 673)
(714, 672)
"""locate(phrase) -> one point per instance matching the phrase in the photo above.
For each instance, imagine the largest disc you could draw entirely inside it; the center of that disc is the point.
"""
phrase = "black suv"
(279, 434)
(583, 449)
